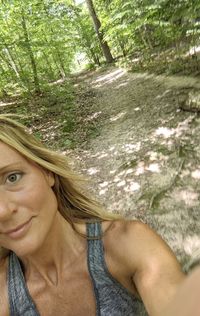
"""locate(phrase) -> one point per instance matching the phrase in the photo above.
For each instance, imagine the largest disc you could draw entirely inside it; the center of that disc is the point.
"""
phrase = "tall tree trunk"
(32, 59)
(12, 62)
(97, 24)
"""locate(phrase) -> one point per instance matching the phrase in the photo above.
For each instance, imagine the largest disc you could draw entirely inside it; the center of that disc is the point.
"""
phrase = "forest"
(42, 41)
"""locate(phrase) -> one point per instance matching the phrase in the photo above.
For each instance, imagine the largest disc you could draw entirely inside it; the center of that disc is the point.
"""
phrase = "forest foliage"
(43, 41)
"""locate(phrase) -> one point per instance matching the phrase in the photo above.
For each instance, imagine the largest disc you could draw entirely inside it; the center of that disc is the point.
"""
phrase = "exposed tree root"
(166, 188)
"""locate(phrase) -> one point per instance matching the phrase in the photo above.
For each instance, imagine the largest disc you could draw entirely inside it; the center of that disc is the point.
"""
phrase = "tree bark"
(97, 25)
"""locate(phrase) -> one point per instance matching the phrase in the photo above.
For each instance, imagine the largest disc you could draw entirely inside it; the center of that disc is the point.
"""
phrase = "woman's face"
(26, 196)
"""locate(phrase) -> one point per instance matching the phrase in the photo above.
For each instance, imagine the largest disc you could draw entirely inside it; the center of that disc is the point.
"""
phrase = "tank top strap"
(95, 244)
(95, 258)
(111, 297)
(20, 301)
(94, 230)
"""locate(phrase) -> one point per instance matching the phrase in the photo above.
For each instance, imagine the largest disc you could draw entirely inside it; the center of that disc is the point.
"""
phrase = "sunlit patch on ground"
(187, 196)
(93, 116)
(92, 171)
(118, 116)
(154, 167)
(108, 78)
(123, 84)
(140, 168)
(196, 174)
(191, 244)
(165, 132)
(160, 96)
(132, 187)
(130, 148)
(184, 126)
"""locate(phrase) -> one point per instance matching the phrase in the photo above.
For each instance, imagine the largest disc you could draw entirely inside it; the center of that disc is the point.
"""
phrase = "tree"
(97, 25)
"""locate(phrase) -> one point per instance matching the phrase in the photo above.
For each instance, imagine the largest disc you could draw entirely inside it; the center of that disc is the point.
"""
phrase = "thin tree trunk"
(97, 25)
(31, 55)
(10, 67)
(12, 62)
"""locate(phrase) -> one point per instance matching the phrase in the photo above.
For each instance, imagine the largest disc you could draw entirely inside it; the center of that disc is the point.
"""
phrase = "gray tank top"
(112, 299)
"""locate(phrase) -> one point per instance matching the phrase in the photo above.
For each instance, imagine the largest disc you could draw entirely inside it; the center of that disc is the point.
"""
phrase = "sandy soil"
(143, 153)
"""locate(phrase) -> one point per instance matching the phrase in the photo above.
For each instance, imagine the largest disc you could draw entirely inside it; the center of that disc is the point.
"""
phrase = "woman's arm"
(155, 270)
(186, 302)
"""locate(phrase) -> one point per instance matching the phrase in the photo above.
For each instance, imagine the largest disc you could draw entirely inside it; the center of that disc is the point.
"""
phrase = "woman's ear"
(50, 178)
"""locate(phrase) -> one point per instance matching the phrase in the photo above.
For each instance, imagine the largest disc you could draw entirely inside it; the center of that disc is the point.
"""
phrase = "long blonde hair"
(74, 204)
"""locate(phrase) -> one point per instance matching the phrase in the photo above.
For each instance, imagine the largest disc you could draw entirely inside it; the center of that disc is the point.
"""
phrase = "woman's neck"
(59, 252)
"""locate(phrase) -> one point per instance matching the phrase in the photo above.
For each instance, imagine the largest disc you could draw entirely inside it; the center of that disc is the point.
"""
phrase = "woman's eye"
(13, 178)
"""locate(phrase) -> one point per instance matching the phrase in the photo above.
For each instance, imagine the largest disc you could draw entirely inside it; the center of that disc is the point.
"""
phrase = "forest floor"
(142, 154)
(128, 134)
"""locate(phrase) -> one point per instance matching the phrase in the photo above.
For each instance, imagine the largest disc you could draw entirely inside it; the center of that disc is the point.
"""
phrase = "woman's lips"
(20, 230)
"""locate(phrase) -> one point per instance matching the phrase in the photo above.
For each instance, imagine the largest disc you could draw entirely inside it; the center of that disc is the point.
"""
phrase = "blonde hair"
(73, 203)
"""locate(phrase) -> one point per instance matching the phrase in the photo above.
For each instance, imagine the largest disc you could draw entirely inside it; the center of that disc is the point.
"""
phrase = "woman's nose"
(7, 207)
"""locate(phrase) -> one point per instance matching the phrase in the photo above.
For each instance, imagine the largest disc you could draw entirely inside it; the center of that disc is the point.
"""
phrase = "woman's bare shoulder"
(124, 229)
(4, 307)
(129, 232)
(121, 233)
(123, 236)
(135, 242)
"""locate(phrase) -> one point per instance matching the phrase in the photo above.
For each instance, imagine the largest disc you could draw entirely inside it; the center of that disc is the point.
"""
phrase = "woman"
(61, 254)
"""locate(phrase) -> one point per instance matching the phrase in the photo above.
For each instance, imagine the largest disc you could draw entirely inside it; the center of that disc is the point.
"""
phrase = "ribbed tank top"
(112, 299)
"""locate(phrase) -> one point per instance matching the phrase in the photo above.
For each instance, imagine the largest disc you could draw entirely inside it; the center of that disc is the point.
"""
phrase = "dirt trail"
(144, 157)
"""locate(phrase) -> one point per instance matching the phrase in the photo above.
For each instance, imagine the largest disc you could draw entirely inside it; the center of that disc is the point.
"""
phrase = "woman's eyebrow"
(4, 168)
